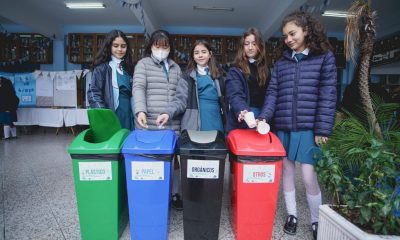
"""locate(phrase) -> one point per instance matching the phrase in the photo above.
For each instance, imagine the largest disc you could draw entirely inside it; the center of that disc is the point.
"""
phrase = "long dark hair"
(104, 53)
(242, 62)
(316, 39)
(212, 63)
(160, 37)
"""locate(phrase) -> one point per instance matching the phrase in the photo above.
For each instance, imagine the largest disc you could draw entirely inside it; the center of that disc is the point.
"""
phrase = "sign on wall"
(25, 87)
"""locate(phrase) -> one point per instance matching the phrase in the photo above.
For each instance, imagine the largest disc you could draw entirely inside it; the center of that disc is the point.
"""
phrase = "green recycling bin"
(99, 176)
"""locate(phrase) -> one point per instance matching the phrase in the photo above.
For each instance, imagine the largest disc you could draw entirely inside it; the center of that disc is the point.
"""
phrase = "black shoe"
(314, 228)
(290, 225)
(6, 138)
(176, 202)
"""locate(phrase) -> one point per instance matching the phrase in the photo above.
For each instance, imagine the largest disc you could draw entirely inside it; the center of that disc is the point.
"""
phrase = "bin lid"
(212, 142)
(104, 124)
(150, 142)
(248, 142)
(84, 143)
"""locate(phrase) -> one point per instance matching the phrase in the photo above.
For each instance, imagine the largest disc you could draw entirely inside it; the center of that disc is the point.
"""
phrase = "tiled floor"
(37, 199)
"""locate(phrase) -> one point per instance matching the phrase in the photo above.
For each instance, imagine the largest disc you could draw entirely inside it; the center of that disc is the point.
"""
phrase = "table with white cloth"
(73, 117)
(52, 117)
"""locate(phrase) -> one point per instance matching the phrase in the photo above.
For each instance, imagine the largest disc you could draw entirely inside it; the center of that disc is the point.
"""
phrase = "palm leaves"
(354, 132)
(360, 35)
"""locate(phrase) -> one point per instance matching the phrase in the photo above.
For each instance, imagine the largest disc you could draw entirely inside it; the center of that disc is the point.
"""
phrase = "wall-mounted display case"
(26, 48)
(82, 47)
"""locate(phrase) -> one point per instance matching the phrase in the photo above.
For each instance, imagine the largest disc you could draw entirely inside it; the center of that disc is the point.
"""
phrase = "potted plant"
(360, 166)
(361, 172)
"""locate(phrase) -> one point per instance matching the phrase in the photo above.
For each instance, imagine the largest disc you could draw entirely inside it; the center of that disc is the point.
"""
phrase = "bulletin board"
(65, 94)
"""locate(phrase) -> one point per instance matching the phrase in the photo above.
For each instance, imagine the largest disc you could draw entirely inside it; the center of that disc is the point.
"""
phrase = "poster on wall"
(65, 88)
(44, 88)
(25, 87)
(9, 76)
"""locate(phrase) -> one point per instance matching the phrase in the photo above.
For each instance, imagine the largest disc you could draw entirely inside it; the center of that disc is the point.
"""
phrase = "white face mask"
(160, 54)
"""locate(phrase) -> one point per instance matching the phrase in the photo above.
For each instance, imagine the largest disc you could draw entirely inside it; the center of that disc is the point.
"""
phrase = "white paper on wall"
(65, 81)
(44, 88)
(65, 92)
(44, 84)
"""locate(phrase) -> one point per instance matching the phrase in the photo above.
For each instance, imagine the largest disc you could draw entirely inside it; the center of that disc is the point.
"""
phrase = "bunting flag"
(317, 8)
(137, 9)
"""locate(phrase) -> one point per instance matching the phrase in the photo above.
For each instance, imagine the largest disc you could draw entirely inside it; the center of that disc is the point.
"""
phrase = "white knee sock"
(290, 200)
(13, 131)
(313, 203)
(6, 131)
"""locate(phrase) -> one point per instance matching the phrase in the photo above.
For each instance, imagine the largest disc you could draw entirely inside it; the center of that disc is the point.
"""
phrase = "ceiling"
(49, 17)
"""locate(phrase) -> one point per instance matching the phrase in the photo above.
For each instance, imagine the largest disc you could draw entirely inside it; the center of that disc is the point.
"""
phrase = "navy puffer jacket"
(302, 95)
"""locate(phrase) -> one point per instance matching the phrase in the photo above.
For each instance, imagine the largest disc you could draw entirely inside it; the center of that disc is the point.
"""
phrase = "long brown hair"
(242, 61)
(212, 63)
(316, 39)
(104, 54)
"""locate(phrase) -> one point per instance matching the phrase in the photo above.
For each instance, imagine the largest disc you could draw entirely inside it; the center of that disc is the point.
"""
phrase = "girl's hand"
(142, 119)
(319, 140)
(241, 115)
(161, 120)
(260, 120)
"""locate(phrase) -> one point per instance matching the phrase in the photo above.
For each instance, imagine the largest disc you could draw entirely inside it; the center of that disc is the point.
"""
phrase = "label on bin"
(203, 169)
(147, 170)
(95, 171)
(258, 173)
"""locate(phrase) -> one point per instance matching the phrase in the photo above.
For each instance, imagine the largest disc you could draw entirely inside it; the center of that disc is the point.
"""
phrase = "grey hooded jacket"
(153, 90)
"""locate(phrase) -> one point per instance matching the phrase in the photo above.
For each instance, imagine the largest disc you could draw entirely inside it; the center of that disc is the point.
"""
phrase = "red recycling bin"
(256, 163)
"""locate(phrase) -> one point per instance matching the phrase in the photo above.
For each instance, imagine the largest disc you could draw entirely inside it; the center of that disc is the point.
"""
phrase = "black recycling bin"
(203, 157)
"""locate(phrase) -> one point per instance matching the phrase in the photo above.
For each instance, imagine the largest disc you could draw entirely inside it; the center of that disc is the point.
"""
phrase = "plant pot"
(332, 226)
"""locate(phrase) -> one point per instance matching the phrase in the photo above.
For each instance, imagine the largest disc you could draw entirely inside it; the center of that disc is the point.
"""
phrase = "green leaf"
(351, 204)
(366, 213)
(376, 143)
(377, 226)
(375, 154)
(356, 150)
(386, 209)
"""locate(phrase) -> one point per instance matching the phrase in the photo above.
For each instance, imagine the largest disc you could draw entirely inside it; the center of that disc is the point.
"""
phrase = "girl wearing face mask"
(199, 97)
(301, 101)
(155, 81)
(111, 81)
(247, 81)
(154, 86)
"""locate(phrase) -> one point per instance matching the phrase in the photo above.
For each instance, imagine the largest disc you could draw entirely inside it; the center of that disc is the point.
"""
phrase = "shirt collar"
(201, 70)
(115, 59)
(305, 52)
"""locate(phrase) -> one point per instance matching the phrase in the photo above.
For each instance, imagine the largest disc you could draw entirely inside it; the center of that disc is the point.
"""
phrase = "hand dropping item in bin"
(263, 127)
(250, 120)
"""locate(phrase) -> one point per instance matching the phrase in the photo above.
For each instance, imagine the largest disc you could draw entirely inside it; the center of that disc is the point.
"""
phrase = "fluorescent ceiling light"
(335, 14)
(85, 5)
(228, 9)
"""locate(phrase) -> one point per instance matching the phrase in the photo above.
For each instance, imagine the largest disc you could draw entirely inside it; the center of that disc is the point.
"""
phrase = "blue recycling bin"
(148, 160)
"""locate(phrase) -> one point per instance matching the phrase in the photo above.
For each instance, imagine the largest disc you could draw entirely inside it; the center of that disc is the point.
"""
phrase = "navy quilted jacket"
(302, 96)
